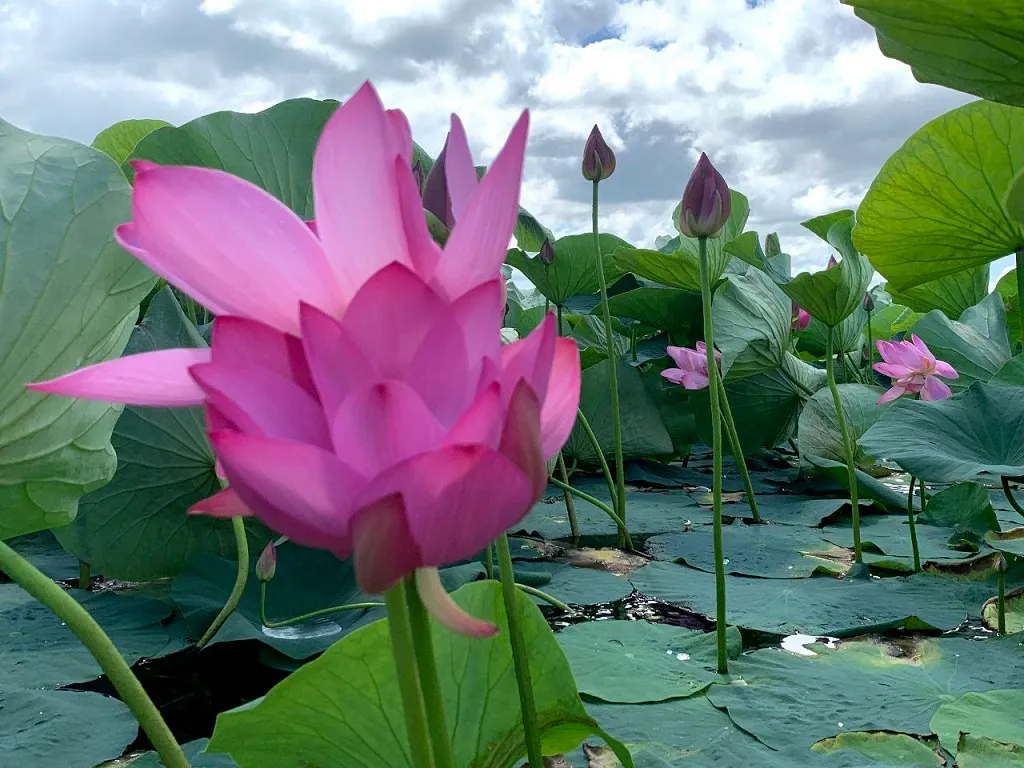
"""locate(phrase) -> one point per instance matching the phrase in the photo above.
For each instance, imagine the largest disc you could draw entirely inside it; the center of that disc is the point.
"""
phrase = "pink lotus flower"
(707, 203)
(801, 318)
(914, 370)
(692, 370)
(357, 393)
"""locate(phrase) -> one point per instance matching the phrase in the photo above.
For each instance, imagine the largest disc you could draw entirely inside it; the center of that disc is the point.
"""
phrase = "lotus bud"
(547, 253)
(869, 303)
(801, 318)
(831, 262)
(1001, 566)
(707, 203)
(266, 563)
(771, 245)
(598, 158)
(435, 191)
(421, 178)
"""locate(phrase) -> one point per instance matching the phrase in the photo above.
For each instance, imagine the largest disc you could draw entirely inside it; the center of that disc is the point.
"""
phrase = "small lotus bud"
(598, 158)
(1001, 566)
(831, 262)
(421, 178)
(266, 563)
(706, 202)
(801, 318)
(547, 253)
(435, 191)
(869, 303)
(771, 245)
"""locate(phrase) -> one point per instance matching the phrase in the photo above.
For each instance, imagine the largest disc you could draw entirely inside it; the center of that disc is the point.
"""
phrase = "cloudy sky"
(790, 98)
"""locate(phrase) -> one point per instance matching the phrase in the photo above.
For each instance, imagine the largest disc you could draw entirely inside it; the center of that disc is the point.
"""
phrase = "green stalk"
(597, 503)
(570, 505)
(1010, 498)
(1001, 600)
(1020, 290)
(737, 449)
(613, 376)
(489, 562)
(847, 444)
(242, 550)
(913, 523)
(545, 597)
(871, 350)
(307, 616)
(400, 629)
(592, 436)
(716, 440)
(84, 575)
(78, 620)
(520, 660)
(632, 342)
(430, 683)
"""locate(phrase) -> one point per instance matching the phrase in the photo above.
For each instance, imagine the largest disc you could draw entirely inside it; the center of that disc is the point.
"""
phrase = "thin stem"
(404, 651)
(1010, 498)
(737, 449)
(430, 683)
(520, 660)
(597, 503)
(558, 315)
(848, 449)
(632, 342)
(570, 506)
(1020, 290)
(1001, 601)
(78, 620)
(307, 616)
(716, 441)
(913, 524)
(871, 348)
(592, 436)
(84, 575)
(613, 376)
(489, 562)
(242, 551)
(545, 597)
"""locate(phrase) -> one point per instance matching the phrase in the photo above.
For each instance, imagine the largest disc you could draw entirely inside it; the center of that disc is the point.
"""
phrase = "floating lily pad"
(895, 749)
(992, 714)
(979, 752)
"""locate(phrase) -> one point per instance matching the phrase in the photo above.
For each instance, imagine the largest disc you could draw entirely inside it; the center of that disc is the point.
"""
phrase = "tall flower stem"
(737, 449)
(570, 505)
(600, 505)
(605, 469)
(92, 636)
(871, 348)
(913, 524)
(848, 447)
(430, 683)
(242, 550)
(404, 651)
(714, 390)
(613, 376)
(520, 660)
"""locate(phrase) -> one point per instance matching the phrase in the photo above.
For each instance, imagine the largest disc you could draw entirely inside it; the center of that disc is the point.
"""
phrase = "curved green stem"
(613, 375)
(570, 506)
(597, 503)
(242, 549)
(913, 523)
(737, 449)
(592, 436)
(1019, 254)
(520, 659)
(545, 597)
(307, 616)
(1010, 498)
(714, 390)
(404, 651)
(848, 448)
(430, 684)
(92, 636)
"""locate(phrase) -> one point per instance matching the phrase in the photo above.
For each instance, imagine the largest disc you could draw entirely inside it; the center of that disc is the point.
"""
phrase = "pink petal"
(459, 170)
(945, 369)
(935, 389)
(262, 402)
(222, 240)
(296, 489)
(312, 225)
(482, 422)
(424, 253)
(241, 342)
(384, 547)
(224, 503)
(562, 400)
(892, 370)
(531, 358)
(905, 353)
(448, 613)
(401, 135)
(383, 425)
(695, 380)
(478, 243)
(479, 312)
(892, 394)
(521, 440)
(355, 195)
(675, 375)
(338, 365)
(921, 347)
(159, 378)
(678, 354)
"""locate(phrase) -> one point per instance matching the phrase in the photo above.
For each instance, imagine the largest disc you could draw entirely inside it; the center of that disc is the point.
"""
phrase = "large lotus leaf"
(673, 310)
(976, 345)
(592, 339)
(136, 527)
(832, 295)
(753, 319)
(952, 295)
(675, 407)
(973, 47)
(1006, 287)
(323, 714)
(818, 431)
(936, 206)
(747, 248)
(989, 714)
(1014, 199)
(820, 225)
(1011, 374)
(69, 297)
(574, 270)
(980, 430)
(680, 266)
(120, 139)
(848, 336)
(979, 752)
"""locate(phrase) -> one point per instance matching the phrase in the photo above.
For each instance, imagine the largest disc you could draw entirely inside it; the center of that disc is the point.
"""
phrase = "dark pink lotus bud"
(869, 303)
(801, 318)
(706, 202)
(266, 563)
(831, 262)
(417, 173)
(547, 253)
(435, 191)
(598, 158)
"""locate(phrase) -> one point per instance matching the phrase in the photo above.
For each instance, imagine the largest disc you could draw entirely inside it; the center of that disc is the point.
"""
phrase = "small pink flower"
(692, 370)
(801, 318)
(914, 370)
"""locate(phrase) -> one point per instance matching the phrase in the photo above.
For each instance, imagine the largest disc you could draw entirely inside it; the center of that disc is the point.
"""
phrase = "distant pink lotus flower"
(914, 369)
(801, 318)
(692, 370)
(357, 393)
